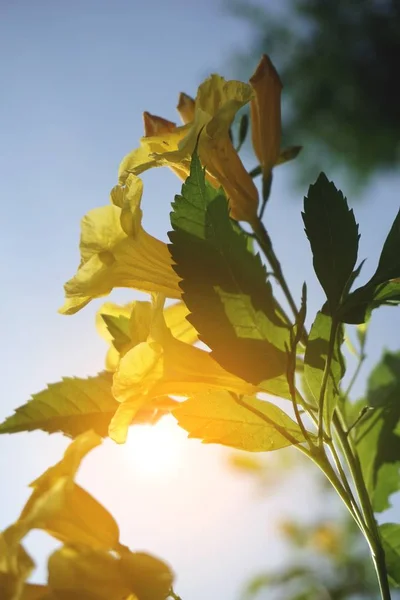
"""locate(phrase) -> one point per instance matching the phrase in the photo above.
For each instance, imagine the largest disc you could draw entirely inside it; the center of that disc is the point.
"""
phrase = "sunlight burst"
(156, 450)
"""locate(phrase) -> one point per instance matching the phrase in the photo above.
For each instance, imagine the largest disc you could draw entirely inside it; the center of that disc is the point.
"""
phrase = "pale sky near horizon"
(76, 78)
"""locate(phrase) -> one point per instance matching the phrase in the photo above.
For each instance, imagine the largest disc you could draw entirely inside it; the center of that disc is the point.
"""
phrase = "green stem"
(266, 244)
(372, 534)
(369, 526)
(338, 464)
(324, 383)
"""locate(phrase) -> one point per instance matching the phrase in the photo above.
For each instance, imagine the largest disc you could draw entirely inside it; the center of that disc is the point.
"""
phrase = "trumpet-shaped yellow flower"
(265, 109)
(117, 252)
(130, 325)
(216, 105)
(62, 508)
(163, 365)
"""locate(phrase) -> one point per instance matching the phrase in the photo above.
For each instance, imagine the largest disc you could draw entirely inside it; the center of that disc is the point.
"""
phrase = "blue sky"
(76, 77)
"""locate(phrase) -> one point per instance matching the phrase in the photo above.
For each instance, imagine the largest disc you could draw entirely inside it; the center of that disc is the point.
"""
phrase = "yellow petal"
(35, 592)
(186, 107)
(146, 156)
(138, 371)
(117, 252)
(220, 159)
(176, 320)
(266, 114)
(123, 418)
(154, 125)
(82, 520)
(166, 366)
(15, 566)
(63, 509)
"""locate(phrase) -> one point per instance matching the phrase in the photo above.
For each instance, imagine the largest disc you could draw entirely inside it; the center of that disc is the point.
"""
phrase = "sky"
(76, 78)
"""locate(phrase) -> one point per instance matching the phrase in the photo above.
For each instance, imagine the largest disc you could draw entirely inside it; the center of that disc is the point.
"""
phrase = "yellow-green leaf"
(248, 424)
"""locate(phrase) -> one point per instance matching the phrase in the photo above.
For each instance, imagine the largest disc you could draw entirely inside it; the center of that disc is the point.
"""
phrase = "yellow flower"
(163, 365)
(117, 252)
(65, 510)
(130, 325)
(265, 109)
(211, 117)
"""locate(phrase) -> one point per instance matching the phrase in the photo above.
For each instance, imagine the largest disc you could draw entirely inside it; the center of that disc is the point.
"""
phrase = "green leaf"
(389, 261)
(119, 329)
(246, 424)
(390, 534)
(360, 303)
(378, 443)
(225, 286)
(71, 406)
(315, 360)
(383, 287)
(333, 234)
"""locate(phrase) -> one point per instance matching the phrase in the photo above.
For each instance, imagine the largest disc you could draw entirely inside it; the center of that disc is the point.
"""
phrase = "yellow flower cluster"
(157, 356)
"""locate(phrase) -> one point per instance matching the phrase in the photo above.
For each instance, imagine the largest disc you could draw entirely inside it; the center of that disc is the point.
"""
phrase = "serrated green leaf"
(314, 363)
(333, 234)
(384, 285)
(389, 261)
(360, 303)
(217, 418)
(71, 406)
(390, 534)
(225, 286)
(118, 328)
(378, 443)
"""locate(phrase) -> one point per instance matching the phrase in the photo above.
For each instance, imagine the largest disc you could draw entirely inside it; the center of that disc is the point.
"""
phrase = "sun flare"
(156, 450)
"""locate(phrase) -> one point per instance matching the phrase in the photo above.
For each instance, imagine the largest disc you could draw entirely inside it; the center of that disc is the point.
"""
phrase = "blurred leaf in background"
(338, 61)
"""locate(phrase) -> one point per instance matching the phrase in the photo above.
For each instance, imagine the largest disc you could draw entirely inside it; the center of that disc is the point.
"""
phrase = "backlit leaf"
(248, 424)
(315, 360)
(224, 285)
(378, 442)
(390, 533)
(73, 406)
(333, 234)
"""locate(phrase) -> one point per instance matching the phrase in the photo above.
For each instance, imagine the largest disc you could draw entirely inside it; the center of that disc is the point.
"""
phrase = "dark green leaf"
(71, 406)
(315, 360)
(389, 261)
(243, 129)
(384, 285)
(225, 286)
(333, 233)
(390, 533)
(378, 443)
(118, 327)
(358, 306)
